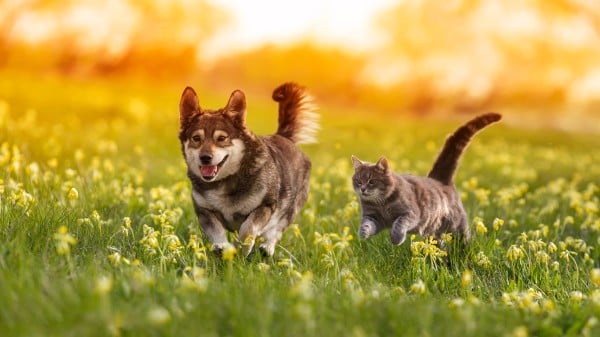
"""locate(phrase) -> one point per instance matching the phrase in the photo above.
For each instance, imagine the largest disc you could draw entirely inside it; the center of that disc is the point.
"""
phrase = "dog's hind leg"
(272, 234)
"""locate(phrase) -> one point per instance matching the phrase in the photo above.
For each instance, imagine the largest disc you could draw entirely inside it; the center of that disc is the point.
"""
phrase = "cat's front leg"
(399, 229)
(367, 228)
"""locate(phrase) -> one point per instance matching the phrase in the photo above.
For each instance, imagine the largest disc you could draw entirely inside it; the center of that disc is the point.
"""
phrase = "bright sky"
(346, 23)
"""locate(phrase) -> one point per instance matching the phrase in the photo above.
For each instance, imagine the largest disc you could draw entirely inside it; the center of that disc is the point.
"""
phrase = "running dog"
(255, 185)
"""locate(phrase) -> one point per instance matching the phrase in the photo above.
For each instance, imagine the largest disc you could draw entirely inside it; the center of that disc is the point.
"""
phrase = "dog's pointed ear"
(236, 107)
(356, 162)
(188, 106)
(382, 164)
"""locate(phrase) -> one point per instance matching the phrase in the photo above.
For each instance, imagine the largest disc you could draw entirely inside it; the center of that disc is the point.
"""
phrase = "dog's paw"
(221, 250)
(266, 250)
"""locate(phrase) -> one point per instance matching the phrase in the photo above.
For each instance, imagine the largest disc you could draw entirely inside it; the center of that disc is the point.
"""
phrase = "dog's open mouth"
(209, 172)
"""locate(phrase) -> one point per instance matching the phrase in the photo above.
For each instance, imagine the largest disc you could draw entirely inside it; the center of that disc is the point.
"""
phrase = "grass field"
(98, 235)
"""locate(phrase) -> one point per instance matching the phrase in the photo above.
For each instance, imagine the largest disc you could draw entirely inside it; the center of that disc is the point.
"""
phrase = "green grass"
(98, 235)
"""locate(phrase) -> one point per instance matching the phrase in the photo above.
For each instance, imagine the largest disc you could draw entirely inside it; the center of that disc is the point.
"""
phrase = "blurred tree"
(104, 36)
(329, 72)
(468, 54)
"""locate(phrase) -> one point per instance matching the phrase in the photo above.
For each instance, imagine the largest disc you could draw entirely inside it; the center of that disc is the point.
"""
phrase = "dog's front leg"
(251, 227)
(214, 230)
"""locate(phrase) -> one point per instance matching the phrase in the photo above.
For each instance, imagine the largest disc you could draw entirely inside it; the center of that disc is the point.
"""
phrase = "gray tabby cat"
(411, 204)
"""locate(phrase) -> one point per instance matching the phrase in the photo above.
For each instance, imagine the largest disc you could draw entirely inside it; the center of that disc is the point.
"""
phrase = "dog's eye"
(221, 138)
(196, 139)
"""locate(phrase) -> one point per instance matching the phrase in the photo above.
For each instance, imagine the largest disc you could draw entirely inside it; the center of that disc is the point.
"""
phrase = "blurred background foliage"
(536, 60)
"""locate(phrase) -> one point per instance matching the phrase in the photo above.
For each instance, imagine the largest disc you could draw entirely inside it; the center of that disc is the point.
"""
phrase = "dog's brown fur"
(255, 185)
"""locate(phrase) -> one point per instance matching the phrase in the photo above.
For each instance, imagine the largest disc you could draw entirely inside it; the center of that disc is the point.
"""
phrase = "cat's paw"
(367, 229)
(398, 236)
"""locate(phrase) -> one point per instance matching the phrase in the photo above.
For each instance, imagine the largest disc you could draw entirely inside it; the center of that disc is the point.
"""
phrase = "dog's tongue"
(208, 171)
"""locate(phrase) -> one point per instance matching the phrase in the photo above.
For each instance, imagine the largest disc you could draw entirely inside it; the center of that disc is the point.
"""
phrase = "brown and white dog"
(255, 185)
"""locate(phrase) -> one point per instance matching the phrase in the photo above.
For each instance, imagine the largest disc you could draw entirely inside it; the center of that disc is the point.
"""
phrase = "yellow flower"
(229, 252)
(520, 331)
(158, 316)
(52, 163)
(194, 278)
(482, 196)
(482, 260)
(296, 230)
(103, 285)
(456, 303)
(466, 279)
(497, 224)
(577, 296)
(303, 288)
(595, 276)
(73, 194)
(418, 287)
(447, 237)
(263, 267)
(514, 253)
(480, 227)
(64, 241)
(116, 259)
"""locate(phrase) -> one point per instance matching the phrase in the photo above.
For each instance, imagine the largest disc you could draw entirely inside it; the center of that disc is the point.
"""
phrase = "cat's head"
(371, 181)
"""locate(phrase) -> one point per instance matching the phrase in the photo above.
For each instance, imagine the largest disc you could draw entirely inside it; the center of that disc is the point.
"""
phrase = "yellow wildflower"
(497, 224)
(158, 315)
(73, 195)
(418, 287)
(577, 296)
(64, 241)
(514, 253)
(466, 279)
(103, 285)
(229, 252)
(480, 227)
(595, 276)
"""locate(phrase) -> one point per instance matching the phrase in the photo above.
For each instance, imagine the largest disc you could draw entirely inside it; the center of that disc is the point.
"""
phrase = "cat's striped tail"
(298, 120)
(447, 161)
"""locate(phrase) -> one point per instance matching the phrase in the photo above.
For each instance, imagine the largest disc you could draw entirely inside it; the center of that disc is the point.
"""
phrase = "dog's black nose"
(205, 159)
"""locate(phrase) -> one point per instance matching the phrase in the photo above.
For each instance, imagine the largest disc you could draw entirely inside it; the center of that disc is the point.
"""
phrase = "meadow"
(98, 236)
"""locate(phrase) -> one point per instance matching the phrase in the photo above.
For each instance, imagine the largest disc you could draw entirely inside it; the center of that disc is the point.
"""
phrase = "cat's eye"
(371, 183)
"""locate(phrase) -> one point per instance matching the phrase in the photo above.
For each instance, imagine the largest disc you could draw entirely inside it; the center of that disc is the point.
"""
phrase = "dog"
(242, 182)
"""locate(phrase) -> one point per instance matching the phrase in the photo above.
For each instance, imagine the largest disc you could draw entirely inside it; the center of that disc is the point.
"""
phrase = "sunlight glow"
(346, 24)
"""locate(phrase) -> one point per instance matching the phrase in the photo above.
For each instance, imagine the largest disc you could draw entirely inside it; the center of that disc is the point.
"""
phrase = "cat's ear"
(382, 164)
(356, 162)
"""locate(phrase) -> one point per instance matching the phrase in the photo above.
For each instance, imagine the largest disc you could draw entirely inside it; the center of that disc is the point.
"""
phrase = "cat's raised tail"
(447, 161)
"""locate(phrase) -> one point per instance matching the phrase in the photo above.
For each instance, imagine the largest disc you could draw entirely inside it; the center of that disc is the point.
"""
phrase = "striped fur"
(411, 204)
(298, 120)
(444, 168)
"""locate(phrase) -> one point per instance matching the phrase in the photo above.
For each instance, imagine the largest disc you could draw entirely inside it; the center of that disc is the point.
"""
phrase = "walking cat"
(411, 204)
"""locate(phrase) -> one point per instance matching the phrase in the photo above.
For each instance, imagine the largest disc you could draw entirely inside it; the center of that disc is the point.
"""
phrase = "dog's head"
(211, 139)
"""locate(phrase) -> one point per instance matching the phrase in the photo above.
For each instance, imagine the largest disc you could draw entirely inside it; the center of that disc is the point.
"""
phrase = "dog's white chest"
(218, 201)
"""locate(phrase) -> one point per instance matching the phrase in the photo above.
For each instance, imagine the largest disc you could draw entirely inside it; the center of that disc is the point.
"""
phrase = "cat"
(429, 206)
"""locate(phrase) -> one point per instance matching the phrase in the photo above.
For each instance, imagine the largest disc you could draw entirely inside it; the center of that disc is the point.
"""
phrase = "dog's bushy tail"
(298, 120)
(447, 161)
